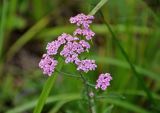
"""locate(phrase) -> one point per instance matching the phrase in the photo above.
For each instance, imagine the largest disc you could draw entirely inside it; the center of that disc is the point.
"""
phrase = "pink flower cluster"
(86, 65)
(72, 47)
(47, 64)
(103, 81)
(83, 21)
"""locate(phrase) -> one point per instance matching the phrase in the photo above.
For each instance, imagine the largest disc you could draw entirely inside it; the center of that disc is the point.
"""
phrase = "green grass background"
(26, 26)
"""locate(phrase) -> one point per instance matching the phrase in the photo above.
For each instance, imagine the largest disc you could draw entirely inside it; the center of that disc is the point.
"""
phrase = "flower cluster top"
(72, 46)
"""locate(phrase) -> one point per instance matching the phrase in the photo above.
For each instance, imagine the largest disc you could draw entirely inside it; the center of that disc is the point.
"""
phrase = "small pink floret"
(103, 81)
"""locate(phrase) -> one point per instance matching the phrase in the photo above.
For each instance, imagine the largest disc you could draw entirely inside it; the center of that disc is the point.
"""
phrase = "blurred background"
(26, 26)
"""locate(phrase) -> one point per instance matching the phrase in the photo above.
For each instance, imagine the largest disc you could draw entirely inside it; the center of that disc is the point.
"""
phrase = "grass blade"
(139, 77)
(108, 109)
(2, 24)
(47, 88)
(126, 105)
(98, 28)
(98, 6)
(27, 36)
(32, 104)
(122, 64)
(57, 106)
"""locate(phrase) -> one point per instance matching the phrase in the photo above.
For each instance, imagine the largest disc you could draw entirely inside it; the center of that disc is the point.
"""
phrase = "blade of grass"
(126, 105)
(27, 36)
(122, 64)
(2, 24)
(39, 9)
(47, 88)
(139, 77)
(155, 15)
(59, 105)
(139, 93)
(108, 109)
(62, 97)
(131, 92)
(98, 6)
(98, 28)
(32, 104)
(12, 13)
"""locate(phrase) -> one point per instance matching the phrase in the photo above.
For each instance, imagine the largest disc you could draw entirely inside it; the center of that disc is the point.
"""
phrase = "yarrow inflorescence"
(71, 46)
(47, 64)
(103, 81)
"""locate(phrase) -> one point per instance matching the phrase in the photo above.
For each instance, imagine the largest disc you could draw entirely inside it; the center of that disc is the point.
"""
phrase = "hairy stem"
(89, 98)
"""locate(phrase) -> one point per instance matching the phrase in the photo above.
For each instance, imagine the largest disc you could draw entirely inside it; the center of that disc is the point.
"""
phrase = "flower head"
(72, 49)
(72, 46)
(103, 81)
(82, 19)
(86, 65)
(47, 64)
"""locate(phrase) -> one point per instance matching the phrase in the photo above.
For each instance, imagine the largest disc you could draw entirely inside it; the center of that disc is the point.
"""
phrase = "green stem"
(89, 98)
(75, 76)
(68, 74)
(98, 6)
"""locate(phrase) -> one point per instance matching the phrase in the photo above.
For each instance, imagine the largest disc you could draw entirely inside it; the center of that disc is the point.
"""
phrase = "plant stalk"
(89, 98)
